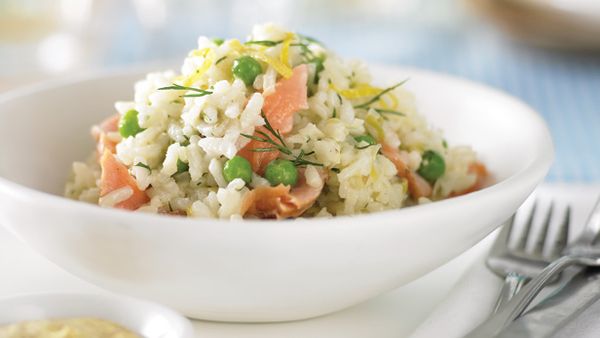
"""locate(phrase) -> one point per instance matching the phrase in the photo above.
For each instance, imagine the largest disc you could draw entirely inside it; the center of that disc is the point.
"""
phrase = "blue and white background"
(56, 38)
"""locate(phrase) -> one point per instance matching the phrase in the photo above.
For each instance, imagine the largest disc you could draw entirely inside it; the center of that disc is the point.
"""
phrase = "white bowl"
(256, 270)
(144, 318)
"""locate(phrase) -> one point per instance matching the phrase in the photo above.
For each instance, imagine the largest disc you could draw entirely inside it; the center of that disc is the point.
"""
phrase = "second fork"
(515, 263)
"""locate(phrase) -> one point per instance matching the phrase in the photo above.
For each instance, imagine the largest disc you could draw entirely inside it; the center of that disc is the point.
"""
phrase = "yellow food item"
(358, 91)
(285, 49)
(66, 328)
(257, 52)
(209, 58)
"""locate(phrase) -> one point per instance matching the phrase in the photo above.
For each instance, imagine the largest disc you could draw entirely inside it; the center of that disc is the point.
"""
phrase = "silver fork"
(584, 251)
(515, 263)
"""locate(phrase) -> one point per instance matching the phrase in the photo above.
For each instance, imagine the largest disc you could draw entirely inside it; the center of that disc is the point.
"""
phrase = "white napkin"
(474, 296)
(585, 325)
(469, 303)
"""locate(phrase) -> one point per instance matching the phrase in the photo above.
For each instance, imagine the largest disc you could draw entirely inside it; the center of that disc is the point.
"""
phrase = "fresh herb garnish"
(221, 59)
(199, 92)
(334, 112)
(336, 170)
(185, 142)
(279, 145)
(267, 43)
(387, 111)
(143, 165)
(368, 139)
(310, 39)
(306, 52)
(181, 167)
(367, 105)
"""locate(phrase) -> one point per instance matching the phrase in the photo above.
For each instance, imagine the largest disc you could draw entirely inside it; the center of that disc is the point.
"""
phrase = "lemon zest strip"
(284, 57)
(209, 59)
(279, 67)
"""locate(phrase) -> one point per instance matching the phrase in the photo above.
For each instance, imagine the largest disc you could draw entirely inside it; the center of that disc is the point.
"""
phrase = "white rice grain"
(116, 196)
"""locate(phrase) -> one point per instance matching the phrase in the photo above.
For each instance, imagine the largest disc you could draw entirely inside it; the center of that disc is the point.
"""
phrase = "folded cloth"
(469, 303)
(565, 312)
(586, 325)
(472, 300)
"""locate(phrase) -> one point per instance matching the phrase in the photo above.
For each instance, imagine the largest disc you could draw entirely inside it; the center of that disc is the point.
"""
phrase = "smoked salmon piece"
(290, 96)
(417, 185)
(116, 176)
(481, 181)
(258, 160)
(110, 124)
(99, 132)
(282, 201)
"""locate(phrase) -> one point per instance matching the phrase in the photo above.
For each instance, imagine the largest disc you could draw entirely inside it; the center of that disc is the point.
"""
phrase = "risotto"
(277, 126)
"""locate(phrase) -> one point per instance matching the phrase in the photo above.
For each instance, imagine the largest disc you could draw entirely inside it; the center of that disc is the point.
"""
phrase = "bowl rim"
(36, 297)
(537, 167)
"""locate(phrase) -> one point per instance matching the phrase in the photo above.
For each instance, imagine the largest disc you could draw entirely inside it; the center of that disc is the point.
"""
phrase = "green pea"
(432, 166)
(281, 172)
(218, 41)
(246, 68)
(237, 167)
(182, 166)
(128, 124)
(365, 138)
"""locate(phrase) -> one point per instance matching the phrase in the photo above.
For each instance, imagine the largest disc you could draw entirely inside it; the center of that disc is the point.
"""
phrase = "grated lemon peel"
(209, 58)
(364, 90)
(284, 57)
(259, 53)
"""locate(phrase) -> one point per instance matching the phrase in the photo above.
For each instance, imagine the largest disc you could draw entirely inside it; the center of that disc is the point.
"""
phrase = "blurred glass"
(40, 39)
(26, 20)
(565, 24)
(34, 39)
(43, 38)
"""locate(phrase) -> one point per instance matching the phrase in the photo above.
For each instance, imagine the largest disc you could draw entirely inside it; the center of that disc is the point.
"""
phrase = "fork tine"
(562, 236)
(540, 239)
(503, 238)
(510, 223)
(524, 234)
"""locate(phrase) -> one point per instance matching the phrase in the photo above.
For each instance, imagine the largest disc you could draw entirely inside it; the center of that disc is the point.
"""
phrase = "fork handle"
(519, 303)
(512, 284)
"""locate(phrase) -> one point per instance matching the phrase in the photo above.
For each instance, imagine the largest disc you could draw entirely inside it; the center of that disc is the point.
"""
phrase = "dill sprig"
(367, 105)
(221, 59)
(143, 165)
(278, 144)
(365, 147)
(306, 52)
(388, 111)
(310, 39)
(199, 92)
(267, 43)
(381, 93)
